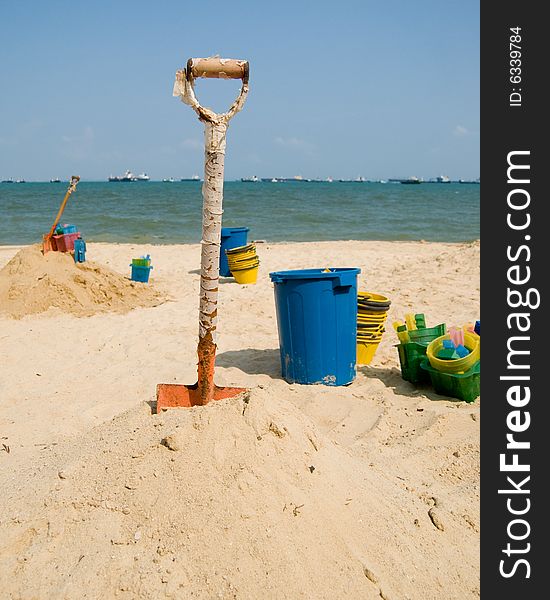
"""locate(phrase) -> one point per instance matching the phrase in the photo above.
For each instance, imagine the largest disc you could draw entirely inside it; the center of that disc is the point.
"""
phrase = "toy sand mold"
(215, 129)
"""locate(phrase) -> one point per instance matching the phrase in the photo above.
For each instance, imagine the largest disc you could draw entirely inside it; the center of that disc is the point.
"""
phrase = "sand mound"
(244, 499)
(33, 283)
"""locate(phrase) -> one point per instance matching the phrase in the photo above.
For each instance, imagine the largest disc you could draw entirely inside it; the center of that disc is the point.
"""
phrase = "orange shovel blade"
(47, 244)
(173, 395)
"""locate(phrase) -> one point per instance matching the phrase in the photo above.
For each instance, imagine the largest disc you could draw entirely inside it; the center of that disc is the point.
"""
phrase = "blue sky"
(342, 89)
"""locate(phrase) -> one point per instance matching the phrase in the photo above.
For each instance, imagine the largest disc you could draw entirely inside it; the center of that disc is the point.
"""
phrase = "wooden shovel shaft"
(214, 158)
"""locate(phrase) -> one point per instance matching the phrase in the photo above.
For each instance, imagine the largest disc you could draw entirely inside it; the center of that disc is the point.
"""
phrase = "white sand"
(95, 506)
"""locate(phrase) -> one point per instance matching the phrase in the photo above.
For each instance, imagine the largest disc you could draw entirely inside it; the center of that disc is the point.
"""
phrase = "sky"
(337, 89)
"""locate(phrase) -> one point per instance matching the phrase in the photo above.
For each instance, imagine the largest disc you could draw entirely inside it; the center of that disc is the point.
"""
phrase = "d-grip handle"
(217, 68)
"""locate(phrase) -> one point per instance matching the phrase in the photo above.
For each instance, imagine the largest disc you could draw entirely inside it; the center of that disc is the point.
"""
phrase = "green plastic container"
(464, 386)
(411, 356)
(141, 262)
(427, 334)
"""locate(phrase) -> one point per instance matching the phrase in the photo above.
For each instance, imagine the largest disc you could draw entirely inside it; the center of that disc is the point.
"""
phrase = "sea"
(156, 212)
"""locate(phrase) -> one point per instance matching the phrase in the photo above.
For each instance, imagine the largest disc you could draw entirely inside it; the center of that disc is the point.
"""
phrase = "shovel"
(47, 238)
(215, 129)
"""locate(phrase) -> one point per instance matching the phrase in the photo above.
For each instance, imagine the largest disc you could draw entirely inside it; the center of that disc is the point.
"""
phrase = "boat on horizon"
(194, 178)
(10, 180)
(412, 179)
(443, 179)
(129, 176)
(169, 180)
(55, 180)
(252, 179)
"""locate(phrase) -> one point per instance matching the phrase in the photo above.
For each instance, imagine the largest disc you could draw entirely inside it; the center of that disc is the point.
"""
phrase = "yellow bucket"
(366, 352)
(241, 250)
(244, 264)
(238, 257)
(472, 341)
(373, 297)
(245, 276)
(372, 317)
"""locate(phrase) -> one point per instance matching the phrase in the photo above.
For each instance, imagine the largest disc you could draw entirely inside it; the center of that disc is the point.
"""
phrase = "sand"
(364, 491)
(33, 283)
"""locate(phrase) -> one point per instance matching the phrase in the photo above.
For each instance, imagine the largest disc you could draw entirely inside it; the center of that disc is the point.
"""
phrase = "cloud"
(86, 137)
(461, 131)
(295, 144)
(79, 146)
(192, 144)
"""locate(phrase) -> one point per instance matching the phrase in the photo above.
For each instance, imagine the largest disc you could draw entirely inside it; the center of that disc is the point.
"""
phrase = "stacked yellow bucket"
(372, 311)
(243, 263)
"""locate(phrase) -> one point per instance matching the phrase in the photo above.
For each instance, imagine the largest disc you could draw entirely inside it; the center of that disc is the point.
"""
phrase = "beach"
(362, 491)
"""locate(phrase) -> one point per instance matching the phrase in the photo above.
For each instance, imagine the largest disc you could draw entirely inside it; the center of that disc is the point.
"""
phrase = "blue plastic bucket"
(232, 237)
(317, 322)
(140, 273)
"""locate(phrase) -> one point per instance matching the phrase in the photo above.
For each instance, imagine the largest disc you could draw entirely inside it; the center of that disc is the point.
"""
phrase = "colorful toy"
(410, 321)
(79, 248)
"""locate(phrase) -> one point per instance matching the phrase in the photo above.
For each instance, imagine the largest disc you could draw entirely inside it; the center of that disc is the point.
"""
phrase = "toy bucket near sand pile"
(372, 311)
(141, 269)
(65, 241)
(243, 263)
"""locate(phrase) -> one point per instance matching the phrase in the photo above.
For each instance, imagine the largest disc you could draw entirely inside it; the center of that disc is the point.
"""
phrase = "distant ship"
(10, 180)
(443, 179)
(194, 178)
(412, 179)
(169, 180)
(55, 180)
(20, 181)
(252, 179)
(129, 176)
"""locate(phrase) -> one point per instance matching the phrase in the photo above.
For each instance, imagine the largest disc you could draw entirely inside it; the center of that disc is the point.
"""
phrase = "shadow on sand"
(392, 379)
(253, 361)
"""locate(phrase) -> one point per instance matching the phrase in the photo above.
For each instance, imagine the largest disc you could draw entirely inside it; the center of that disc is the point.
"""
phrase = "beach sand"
(366, 491)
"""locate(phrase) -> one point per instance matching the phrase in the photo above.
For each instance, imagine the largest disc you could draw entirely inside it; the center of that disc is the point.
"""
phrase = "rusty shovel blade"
(173, 395)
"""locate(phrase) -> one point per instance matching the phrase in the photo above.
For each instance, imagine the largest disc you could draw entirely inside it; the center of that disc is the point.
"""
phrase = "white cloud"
(296, 144)
(80, 145)
(192, 144)
(461, 131)
(87, 136)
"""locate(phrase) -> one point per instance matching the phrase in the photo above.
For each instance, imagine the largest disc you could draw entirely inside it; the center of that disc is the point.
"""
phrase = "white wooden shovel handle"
(217, 68)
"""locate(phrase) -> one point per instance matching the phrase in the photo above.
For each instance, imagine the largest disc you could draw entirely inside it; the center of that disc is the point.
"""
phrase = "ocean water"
(163, 213)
